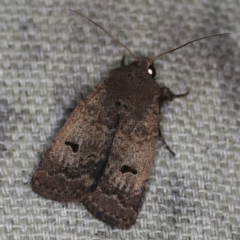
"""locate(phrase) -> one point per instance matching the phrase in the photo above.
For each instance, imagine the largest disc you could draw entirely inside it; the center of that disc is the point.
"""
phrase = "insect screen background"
(50, 59)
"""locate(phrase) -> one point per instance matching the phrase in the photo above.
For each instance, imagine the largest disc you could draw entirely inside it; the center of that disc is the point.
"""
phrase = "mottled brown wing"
(120, 192)
(77, 157)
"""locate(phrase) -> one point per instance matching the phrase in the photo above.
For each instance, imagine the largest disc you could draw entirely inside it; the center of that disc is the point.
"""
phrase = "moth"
(102, 156)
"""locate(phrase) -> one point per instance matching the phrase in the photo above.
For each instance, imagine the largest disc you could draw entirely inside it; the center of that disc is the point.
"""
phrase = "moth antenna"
(195, 40)
(110, 35)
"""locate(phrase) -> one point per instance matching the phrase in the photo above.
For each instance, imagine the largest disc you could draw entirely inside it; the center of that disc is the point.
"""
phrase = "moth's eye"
(152, 71)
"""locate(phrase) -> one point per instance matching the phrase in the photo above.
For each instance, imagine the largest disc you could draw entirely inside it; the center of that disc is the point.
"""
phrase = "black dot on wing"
(74, 146)
(127, 169)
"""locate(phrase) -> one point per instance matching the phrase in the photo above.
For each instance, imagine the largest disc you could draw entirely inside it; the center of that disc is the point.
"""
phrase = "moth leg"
(165, 144)
(167, 95)
(123, 61)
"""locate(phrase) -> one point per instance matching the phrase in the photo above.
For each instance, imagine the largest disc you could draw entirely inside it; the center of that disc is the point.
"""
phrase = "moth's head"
(146, 64)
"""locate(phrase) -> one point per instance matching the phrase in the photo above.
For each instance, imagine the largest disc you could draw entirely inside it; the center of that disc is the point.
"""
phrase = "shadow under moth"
(102, 156)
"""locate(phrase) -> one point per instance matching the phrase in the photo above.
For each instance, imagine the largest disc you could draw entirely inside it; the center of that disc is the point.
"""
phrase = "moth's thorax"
(133, 86)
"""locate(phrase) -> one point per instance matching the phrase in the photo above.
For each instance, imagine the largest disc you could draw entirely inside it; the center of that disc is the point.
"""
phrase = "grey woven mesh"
(51, 58)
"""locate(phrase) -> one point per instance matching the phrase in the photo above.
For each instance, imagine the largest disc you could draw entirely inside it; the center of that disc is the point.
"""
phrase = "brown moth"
(102, 156)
